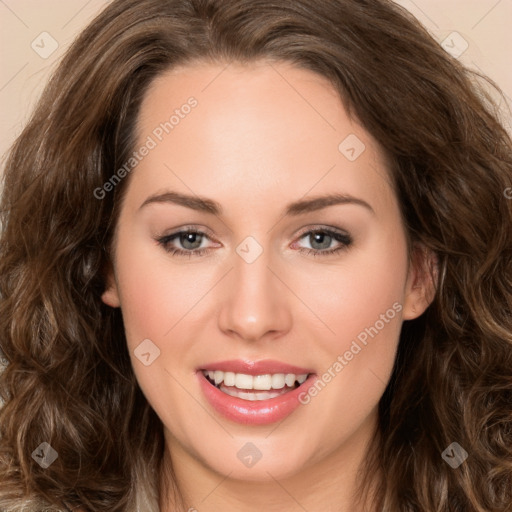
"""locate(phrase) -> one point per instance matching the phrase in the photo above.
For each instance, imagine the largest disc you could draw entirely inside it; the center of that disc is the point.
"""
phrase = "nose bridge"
(254, 303)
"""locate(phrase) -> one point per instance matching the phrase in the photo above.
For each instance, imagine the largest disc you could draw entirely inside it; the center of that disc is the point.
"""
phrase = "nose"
(255, 302)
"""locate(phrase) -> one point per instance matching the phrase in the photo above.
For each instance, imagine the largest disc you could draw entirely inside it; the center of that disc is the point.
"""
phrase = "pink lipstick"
(254, 393)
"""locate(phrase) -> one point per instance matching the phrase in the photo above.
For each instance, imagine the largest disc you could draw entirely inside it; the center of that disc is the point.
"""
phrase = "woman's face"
(297, 272)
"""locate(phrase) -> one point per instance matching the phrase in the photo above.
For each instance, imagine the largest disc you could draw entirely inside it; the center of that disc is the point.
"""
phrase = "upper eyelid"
(188, 229)
(327, 229)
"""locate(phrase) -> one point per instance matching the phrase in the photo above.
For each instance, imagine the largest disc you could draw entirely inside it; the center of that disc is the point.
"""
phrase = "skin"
(262, 136)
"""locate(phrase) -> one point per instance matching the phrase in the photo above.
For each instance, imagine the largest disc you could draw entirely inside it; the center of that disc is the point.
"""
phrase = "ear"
(421, 282)
(111, 294)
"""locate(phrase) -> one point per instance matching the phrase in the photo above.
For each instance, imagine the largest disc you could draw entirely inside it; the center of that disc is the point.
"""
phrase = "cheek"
(145, 298)
(361, 304)
(153, 298)
(159, 302)
(360, 292)
(154, 303)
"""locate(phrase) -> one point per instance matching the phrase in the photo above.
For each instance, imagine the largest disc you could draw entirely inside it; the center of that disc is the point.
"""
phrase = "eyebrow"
(296, 208)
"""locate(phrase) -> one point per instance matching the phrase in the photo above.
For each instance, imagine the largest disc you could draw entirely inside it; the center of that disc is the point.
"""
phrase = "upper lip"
(267, 366)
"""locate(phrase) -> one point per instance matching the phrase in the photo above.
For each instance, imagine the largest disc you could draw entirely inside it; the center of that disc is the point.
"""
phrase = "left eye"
(321, 239)
(191, 241)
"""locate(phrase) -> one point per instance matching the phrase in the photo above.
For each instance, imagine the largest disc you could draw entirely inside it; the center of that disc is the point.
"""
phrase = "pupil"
(190, 238)
(319, 237)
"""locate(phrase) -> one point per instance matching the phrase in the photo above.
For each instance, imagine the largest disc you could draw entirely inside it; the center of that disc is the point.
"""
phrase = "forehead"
(251, 129)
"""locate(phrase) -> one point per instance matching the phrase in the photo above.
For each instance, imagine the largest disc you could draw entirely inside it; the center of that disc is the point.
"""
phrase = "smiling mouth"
(254, 387)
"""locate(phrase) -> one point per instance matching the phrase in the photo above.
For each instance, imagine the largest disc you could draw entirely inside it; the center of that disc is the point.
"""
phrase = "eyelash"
(343, 238)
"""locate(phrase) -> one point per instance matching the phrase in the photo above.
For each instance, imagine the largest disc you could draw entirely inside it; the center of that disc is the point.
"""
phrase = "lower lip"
(260, 412)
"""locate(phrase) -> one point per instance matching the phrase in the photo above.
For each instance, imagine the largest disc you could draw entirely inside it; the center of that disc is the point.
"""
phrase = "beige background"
(25, 60)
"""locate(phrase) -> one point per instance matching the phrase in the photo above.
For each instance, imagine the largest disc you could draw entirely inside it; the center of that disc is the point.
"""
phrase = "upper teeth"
(262, 382)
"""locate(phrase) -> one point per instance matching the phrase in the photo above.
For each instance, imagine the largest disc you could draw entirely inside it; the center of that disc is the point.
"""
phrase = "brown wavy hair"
(68, 379)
